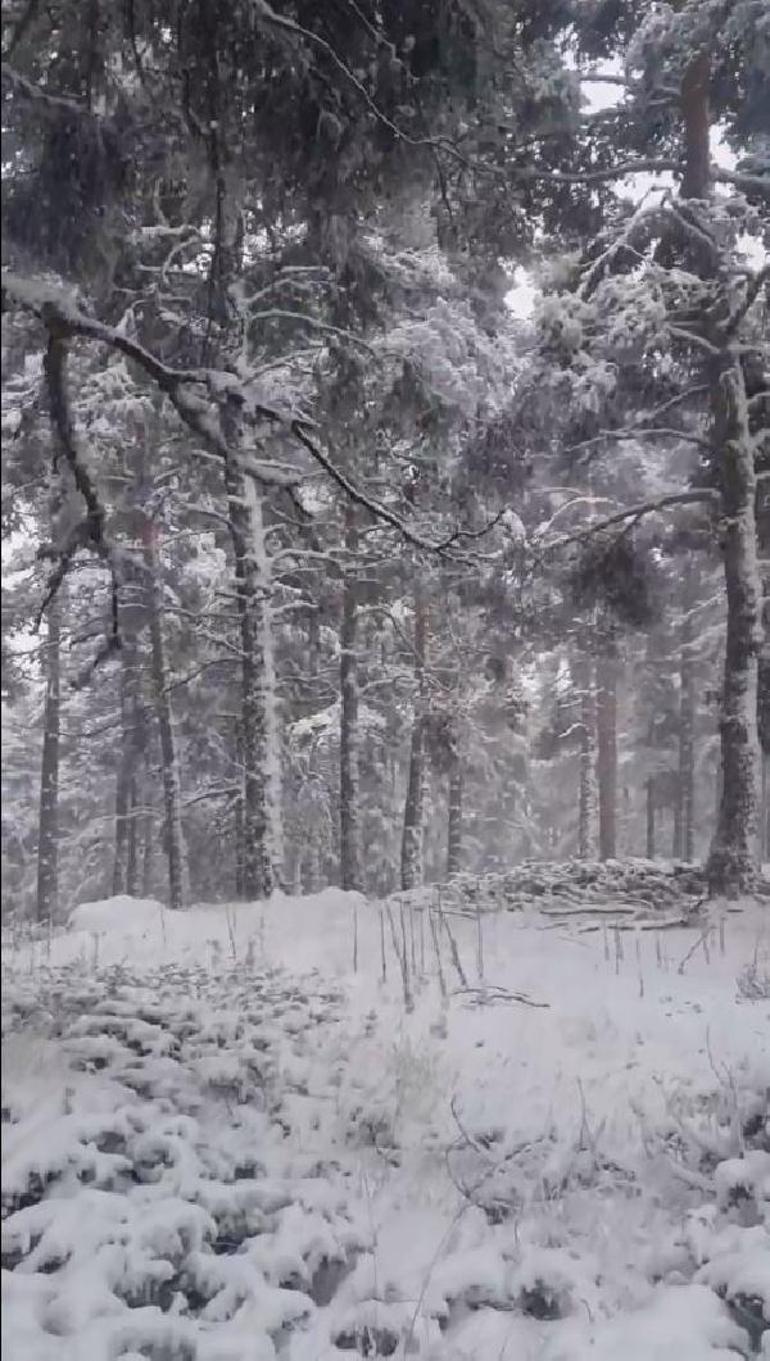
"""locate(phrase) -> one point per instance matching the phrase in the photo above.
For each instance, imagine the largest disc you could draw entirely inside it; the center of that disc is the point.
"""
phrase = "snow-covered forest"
(386, 691)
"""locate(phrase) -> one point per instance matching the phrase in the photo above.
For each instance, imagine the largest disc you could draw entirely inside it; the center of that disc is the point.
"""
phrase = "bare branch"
(200, 413)
(749, 298)
(64, 319)
(375, 508)
(227, 792)
(285, 314)
(27, 18)
(600, 78)
(632, 514)
(459, 533)
(756, 184)
(641, 432)
(692, 338)
(37, 93)
(680, 397)
(90, 531)
(643, 166)
(751, 184)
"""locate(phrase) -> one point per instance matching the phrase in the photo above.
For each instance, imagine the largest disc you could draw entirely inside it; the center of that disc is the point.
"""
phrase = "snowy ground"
(224, 1142)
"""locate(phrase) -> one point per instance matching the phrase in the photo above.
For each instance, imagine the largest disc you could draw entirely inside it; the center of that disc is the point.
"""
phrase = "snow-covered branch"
(750, 296)
(632, 514)
(64, 319)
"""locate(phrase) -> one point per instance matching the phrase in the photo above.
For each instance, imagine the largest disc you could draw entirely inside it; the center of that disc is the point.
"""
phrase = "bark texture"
(765, 812)
(134, 848)
(731, 865)
(132, 740)
(48, 834)
(695, 109)
(607, 754)
(686, 783)
(350, 853)
(414, 807)
(587, 795)
(732, 859)
(455, 804)
(172, 793)
(272, 772)
(650, 814)
(257, 868)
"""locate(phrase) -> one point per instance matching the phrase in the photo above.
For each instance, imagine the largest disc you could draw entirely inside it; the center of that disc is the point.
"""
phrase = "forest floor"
(228, 1138)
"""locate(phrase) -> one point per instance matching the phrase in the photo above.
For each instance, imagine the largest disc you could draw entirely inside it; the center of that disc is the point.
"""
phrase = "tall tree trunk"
(731, 865)
(126, 777)
(587, 799)
(686, 783)
(148, 853)
(237, 812)
(732, 859)
(172, 793)
(696, 180)
(48, 827)
(607, 754)
(122, 803)
(257, 859)
(414, 808)
(134, 840)
(650, 790)
(273, 775)
(239, 842)
(455, 803)
(677, 827)
(350, 856)
(765, 813)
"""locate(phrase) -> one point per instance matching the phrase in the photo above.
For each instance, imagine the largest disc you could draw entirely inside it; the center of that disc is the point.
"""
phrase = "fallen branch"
(492, 993)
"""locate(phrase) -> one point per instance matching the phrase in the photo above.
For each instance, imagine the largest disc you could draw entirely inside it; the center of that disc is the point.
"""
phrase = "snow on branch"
(641, 432)
(37, 93)
(754, 184)
(375, 508)
(753, 289)
(632, 514)
(90, 530)
(197, 395)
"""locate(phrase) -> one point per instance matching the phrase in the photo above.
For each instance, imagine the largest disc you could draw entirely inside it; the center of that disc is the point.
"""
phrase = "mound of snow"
(130, 916)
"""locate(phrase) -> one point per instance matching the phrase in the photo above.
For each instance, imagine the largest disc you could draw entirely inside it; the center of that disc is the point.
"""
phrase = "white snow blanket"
(224, 1142)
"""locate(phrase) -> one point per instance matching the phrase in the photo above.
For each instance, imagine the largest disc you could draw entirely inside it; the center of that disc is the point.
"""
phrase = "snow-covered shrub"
(753, 982)
(408, 1089)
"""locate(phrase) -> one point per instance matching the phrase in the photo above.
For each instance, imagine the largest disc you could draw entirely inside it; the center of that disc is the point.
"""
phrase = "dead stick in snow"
(404, 941)
(700, 941)
(479, 946)
(470, 1141)
(491, 994)
(455, 953)
(401, 957)
(437, 948)
(382, 947)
